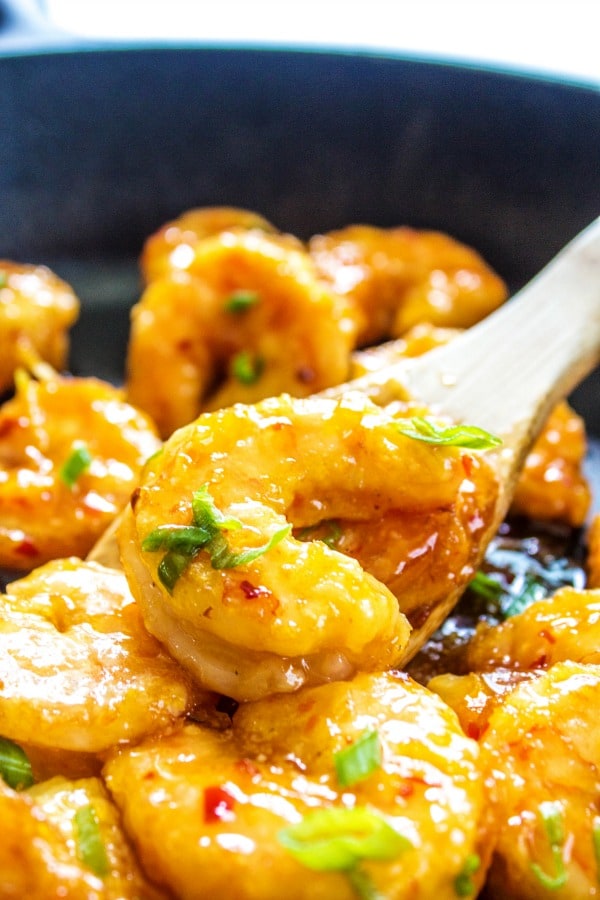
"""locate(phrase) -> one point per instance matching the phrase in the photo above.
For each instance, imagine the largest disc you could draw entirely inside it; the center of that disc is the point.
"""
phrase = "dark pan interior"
(100, 147)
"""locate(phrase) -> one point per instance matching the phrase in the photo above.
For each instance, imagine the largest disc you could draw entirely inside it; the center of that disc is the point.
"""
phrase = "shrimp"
(552, 485)
(593, 559)
(172, 246)
(542, 746)
(63, 839)
(397, 278)
(71, 450)
(247, 319)
(36, 310)
(264, 610)
(565, 626)
(78, 670)
(220, 815)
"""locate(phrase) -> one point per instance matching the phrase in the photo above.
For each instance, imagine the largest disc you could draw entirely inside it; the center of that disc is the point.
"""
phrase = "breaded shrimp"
(247, 319)
(71, 450)
(172, 246)
(593, 558)
(542, 747)
(297, 610)
(399, 277)
(565, 626)
(78, 670)
(230, 815)
(63, 839)
(552, 485)
(36, 310)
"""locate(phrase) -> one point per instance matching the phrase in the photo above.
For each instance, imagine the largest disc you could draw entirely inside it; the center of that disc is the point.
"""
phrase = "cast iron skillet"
(101, 145)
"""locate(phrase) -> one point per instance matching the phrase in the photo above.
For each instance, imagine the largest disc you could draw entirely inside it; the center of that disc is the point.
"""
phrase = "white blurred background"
(544, 36)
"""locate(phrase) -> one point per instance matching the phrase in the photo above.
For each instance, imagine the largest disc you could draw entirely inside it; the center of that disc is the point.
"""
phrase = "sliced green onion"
(468, 436)
(596, 842)
(361, 759)
(337, 839)
(15, 768)
(184, 542)
(362, 884)
(331, 528)
(185, 538)
(172, 566)
(90, 846)
(532, 591)
(246, 367)
(208, 515)
(3, 279)
(75, 465)
(485, 586)
(240, 301)
(551, 815)
(464, 885)
(221, 557)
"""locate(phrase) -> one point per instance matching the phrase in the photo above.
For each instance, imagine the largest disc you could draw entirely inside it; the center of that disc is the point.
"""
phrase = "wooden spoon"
(505, 375)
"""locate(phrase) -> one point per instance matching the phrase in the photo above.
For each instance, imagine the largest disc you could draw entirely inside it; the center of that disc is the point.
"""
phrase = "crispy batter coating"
(78, 670)
(43, 854)
(399, 277)
(247, 319)
(171, 248)
(205, 810)
(37, 308)
(303, 611)
(46, 514)
(593, 557)
(542, 744)
(552, 485)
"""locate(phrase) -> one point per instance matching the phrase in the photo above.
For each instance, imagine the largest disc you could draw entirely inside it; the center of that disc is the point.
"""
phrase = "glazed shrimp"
(171, 248)
(248, 318)
(399, 277)
(215, 815)
(64, 839)
(565, 626)
(299, 610)
(36, 310)
(542, 744)
(552, 485)
(78, 670)
(71, 450)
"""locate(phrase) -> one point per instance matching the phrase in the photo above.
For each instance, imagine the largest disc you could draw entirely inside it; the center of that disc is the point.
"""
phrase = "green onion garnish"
(184, 542)
(3, 279)
(596, 842)
(240, 301)
(362, 885)
(463, 883)
(551, 815)
(337, 839)
(485, 586)
(15, 768)
(531, 592)
(90, 846)
(361, 759)
(467, 436)
(329, 531)
(246, 367)
(75, 465)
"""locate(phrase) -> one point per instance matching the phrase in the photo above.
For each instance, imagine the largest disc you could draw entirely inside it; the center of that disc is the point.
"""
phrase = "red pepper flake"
(547, 636)
(218, 805)
(27, 548)
(247, 767)
(467, 462)
(252, 591)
